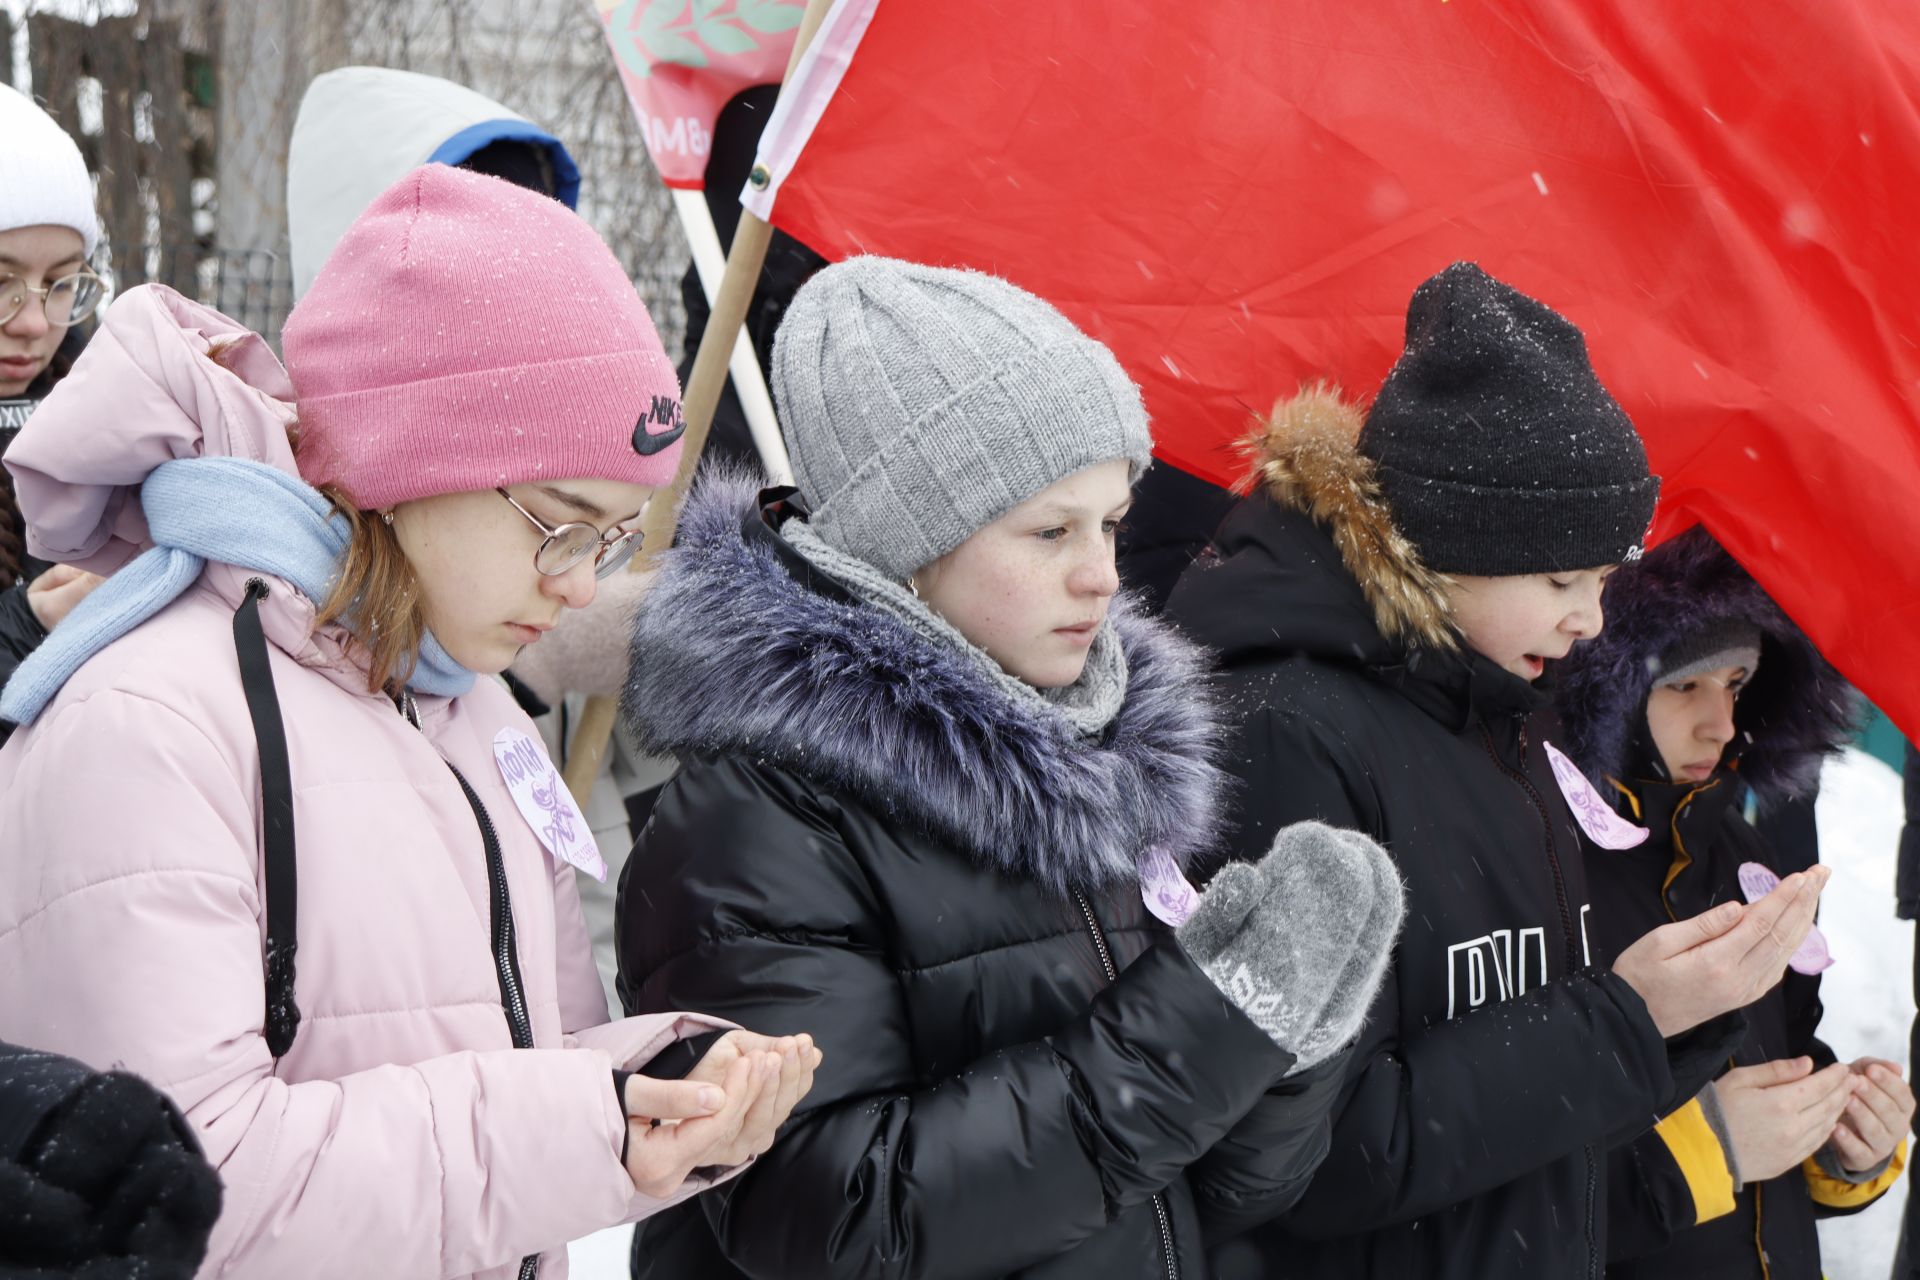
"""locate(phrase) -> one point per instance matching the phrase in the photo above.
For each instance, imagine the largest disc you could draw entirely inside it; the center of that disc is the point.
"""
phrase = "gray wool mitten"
(1300, 940)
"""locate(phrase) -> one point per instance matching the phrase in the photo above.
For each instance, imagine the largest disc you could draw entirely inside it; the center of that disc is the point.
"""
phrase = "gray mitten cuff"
(1717, 1121)
(1300, 941)
(1829, 1161)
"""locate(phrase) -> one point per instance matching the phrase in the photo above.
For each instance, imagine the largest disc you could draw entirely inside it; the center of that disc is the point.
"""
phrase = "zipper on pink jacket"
(506, 954)
(506, 957)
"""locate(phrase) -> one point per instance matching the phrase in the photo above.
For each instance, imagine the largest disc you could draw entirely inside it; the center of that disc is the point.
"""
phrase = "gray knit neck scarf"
(1089, 704)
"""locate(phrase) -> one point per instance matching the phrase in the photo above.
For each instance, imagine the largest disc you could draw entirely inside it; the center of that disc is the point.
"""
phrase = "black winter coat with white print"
(1498, 1064)
(1024, 1073)
(1794, 711)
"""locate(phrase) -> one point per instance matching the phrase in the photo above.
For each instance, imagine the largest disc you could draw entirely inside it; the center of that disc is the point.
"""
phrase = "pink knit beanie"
(467, 333)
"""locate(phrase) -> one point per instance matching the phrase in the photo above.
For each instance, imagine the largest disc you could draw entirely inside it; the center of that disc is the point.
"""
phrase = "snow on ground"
(603, 1256)
(1867, 993)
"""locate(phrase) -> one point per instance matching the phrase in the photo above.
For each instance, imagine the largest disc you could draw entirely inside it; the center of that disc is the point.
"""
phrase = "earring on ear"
(913, 586)
(387, 515)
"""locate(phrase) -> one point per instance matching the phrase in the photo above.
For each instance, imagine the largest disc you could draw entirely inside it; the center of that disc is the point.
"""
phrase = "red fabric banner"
(1241, 195)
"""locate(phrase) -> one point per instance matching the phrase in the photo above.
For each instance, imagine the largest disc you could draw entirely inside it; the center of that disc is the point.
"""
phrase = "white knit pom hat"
(43, 180)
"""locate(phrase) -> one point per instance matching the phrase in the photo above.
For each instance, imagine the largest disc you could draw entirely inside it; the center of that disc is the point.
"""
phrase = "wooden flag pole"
(743, 366)
(704, 385)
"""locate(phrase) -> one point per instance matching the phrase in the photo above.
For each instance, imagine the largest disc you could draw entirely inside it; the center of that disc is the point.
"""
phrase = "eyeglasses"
(570, 543)
(68, 300)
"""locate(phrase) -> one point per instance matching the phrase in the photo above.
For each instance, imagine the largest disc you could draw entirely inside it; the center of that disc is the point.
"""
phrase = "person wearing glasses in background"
(275, 839)
(48, 231)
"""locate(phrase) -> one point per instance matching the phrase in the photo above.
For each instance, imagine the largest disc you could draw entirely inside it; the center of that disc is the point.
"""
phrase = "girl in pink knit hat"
(276, 839)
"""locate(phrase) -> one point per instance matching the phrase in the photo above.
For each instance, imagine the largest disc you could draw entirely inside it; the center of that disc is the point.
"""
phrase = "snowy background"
(1868, 995)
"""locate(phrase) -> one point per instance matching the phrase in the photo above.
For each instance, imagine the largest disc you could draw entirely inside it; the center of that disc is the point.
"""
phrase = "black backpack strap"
(276, 818)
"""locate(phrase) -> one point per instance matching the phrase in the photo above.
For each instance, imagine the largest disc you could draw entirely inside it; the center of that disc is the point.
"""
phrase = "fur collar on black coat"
(734, 653)
(1794, 712)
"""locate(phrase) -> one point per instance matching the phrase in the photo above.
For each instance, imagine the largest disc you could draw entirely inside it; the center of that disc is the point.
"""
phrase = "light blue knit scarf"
(199, 509)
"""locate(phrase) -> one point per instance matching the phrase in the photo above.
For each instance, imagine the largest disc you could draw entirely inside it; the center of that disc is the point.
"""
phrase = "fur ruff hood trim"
(1796, 711)
(733, 654)
(1303, 455)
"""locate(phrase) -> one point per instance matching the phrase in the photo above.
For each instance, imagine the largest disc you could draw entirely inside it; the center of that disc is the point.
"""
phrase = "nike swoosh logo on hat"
(664, 410)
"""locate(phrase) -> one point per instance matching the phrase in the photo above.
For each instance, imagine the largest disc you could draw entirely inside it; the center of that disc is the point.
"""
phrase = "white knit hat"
(43, 180)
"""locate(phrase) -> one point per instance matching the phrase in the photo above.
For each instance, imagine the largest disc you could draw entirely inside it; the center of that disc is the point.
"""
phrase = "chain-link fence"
(546, 60)
(184, 109)
(252, 286)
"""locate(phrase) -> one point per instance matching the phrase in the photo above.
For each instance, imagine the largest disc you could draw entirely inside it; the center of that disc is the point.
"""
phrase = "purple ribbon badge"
(1603, 826)
(546, 804)
(1756, 882)
(1166, 891)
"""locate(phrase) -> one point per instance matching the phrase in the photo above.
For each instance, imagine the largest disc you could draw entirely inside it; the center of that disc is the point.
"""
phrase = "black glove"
(99, 1174)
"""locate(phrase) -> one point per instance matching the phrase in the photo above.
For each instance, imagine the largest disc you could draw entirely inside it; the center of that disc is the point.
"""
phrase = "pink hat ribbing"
(467, 333)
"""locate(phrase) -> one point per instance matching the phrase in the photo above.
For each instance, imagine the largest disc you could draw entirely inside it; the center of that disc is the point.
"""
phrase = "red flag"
(1241, 195)
(681, 60)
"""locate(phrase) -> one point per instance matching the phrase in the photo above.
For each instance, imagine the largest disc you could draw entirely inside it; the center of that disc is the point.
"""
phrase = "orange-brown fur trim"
(1303, 453)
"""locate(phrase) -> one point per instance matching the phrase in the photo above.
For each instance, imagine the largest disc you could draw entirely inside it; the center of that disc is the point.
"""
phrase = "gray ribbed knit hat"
(1724, 642)
(921, 403)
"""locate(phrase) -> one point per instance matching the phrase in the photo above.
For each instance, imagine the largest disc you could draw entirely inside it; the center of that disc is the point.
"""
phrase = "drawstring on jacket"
(276, 819)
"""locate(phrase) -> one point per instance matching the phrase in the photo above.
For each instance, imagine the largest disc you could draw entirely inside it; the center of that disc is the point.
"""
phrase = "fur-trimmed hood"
(1311, 565)
(740, 649)
(1304, 458)
(1794, 712)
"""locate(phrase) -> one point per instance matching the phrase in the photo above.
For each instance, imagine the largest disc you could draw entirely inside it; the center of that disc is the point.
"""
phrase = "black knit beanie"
(1496, 447)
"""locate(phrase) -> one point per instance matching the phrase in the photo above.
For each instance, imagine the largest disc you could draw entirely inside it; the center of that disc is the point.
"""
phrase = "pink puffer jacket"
(401, 1135)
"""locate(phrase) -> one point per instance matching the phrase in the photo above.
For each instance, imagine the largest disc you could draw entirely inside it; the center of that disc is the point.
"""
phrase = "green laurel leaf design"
(724, 38)
(770, 17)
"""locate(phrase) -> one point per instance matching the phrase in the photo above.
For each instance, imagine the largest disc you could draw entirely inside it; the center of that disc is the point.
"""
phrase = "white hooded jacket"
(360, 128)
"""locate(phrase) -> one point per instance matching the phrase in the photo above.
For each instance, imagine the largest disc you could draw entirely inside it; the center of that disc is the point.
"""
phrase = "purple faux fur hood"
(1796, 711)
(732, 655)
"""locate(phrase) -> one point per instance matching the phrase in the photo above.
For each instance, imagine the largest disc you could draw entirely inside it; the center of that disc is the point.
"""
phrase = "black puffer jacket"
(20, 634)
(20, 631)
(1025, 1074)
(1664, 1183)
(1673, 1211)
(1498, 1064)
(13, 416)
